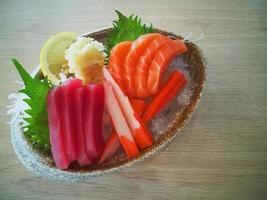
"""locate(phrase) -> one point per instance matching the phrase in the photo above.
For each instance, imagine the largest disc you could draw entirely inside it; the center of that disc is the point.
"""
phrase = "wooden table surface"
(222, 151)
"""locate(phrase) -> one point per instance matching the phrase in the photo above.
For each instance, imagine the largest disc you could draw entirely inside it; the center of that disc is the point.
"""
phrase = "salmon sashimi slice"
(137, 48)
(161, 61)
(80, 137)
(56, 132)
(93, 108)
(116, 61)
(143, 65)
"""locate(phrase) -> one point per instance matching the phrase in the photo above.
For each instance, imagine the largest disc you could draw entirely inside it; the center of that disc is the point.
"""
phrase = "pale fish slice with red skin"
(140, 132)
(142, 67)
(116, 61)
(80, 138)
(137, 48)
(93, 108)
(56, 132)
(161, 61)
(119, 122)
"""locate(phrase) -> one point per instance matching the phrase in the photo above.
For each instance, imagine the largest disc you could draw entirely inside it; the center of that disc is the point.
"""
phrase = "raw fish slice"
(119, 122)
(97, 99)
(160, 62)
(66, 107)
(133, 56)
(93, 107)
(116, 61)
(79, 138)
(144, 63)
(56, 132)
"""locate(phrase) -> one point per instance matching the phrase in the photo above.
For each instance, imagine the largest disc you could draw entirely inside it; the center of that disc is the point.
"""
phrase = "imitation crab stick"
(139, 131)
(112, 144)
(177, 88)
(119, 122)
(139, 106)
(111, 147)
(175, 83)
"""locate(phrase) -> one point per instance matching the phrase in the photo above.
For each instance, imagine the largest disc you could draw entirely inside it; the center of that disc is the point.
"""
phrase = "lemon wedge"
(52, 56)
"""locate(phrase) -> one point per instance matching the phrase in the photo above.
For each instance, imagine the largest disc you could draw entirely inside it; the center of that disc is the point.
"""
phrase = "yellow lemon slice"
(52, 58)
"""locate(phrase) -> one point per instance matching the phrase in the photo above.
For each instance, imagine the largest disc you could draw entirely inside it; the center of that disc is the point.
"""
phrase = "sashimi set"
(85, 85)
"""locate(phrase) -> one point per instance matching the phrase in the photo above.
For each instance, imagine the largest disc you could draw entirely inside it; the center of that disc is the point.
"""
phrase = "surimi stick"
(140, 132)
(119, 122)
(173, 86)
(113, 144)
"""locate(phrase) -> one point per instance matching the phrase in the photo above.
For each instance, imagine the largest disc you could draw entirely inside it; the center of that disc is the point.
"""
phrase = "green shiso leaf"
(126, 29)
(37, 131)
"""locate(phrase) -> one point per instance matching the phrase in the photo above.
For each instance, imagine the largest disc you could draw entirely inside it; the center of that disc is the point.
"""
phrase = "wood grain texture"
(222, 151)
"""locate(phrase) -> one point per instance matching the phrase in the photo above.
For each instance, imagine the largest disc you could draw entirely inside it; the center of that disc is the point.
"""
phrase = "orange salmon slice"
(116, 61)
(161, 61)
(133, 56)
(144, 62)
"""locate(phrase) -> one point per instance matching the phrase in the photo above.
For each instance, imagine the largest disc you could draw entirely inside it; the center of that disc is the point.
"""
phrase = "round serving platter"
(43, 165)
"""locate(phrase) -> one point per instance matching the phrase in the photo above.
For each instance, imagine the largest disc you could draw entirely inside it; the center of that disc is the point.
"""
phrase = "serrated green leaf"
(28, 119)
(29, 112)
(37, 131)
(126, 29)
(28, 101)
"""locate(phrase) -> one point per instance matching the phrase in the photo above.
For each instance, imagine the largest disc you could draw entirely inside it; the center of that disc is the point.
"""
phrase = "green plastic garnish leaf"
(37, 131)
(126, 29)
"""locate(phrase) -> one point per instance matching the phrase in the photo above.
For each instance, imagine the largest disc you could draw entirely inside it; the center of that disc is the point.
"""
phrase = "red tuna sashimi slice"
(75, 122)
(144, 63)
(119, 122)
(116, 61)
(139, 131)
(56, 132)
(93, 107)
(79, 136)
(66, 107)
(136, 50)
(160, 62)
